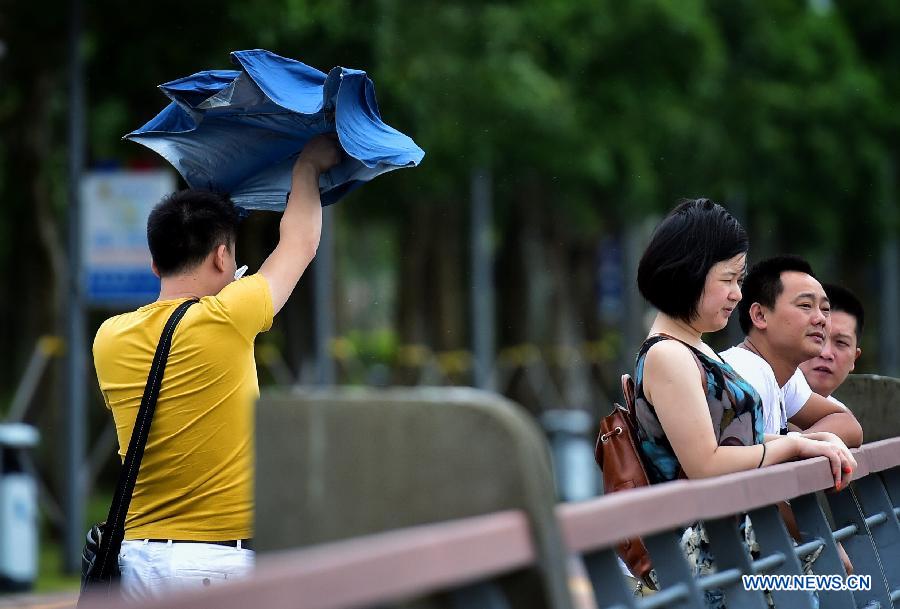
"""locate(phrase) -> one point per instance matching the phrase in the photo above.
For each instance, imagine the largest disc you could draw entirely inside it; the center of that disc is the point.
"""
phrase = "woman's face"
(721, 294)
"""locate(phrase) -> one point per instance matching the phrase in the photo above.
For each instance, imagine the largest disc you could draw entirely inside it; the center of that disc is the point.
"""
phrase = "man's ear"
(856, 357)
(156, 272)
(758, 316)
(220, 257)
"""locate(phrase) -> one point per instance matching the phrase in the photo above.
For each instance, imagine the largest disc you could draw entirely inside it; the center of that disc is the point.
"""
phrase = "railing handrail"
(611, 518)
(389, 565)
(399, 564)
(605, 520)
(881, 455)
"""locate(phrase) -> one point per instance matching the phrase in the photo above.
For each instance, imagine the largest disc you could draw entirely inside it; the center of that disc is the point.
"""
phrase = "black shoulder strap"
(118, 510)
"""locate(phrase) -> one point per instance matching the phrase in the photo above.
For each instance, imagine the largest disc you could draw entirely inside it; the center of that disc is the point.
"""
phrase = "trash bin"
(18, 509)
(571, 436)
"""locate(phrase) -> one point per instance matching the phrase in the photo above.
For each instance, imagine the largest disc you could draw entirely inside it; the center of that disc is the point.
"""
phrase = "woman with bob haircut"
(696, 416)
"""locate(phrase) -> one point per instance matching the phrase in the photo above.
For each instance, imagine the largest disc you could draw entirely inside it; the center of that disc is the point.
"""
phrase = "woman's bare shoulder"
(667, 350)
(671, 359)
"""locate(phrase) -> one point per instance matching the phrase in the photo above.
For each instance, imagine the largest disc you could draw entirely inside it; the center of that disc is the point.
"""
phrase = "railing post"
(813, 525)
(859, 547)
(483, 594)
(607, 580)
(873, 499)
(727, 545)
(891, 480)
(772, 535)
(673, 570)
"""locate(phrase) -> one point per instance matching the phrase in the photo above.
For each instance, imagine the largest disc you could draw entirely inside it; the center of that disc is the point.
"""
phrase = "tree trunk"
(412, 285)
(567, 334)
(447, 308)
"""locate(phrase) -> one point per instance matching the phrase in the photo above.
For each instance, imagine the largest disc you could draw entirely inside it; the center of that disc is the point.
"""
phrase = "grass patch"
(51, 577)
(50, 572)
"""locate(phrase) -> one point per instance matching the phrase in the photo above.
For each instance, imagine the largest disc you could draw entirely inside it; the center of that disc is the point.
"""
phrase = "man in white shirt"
(784, 313)
(829, 369)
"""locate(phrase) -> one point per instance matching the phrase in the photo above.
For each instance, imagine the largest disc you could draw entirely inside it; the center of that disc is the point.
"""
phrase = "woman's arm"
(672, 384)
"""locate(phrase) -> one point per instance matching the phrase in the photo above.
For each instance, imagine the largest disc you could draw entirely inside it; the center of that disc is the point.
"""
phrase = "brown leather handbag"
(617, 455)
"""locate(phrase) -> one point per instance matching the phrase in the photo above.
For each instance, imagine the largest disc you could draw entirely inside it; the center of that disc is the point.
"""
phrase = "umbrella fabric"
(239, 131)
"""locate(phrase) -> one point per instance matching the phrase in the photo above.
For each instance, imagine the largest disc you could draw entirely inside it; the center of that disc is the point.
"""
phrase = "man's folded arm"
(820, 414)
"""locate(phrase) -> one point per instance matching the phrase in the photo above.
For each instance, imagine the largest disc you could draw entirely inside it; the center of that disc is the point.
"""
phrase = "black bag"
(100, 556)
(92, 543)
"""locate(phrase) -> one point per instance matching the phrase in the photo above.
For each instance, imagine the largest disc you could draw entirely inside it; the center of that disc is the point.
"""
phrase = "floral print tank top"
(734, 407)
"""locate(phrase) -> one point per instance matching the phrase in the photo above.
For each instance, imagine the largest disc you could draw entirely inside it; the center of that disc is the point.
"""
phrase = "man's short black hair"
(763, 284)
(697, 234)
(186, 226)
(844, 300)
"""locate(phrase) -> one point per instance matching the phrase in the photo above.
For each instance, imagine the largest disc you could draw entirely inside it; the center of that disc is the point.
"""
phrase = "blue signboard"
(116, 260)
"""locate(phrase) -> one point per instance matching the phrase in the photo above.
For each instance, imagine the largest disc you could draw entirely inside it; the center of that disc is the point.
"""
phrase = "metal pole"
(29, 384)
(890, 318)
(323, 278)
(75, 353)
(889, 333)
(633, 325)
(482, 294)
(737, 203)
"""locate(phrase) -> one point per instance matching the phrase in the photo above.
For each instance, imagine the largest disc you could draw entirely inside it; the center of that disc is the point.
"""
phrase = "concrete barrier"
(341, 463)
(875, 400)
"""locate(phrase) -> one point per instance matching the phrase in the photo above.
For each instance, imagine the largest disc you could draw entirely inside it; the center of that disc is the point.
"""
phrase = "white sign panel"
(116, 260)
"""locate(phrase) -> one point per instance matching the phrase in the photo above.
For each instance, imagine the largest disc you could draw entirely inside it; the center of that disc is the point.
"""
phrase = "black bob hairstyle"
(695, 235)
(186, 226)
(763, 284)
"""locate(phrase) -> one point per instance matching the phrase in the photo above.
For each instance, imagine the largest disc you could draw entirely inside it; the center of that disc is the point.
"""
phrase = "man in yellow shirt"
(190, 521)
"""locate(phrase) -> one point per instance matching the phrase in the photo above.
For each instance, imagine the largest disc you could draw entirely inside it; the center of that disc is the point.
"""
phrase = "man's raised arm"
(301, 224)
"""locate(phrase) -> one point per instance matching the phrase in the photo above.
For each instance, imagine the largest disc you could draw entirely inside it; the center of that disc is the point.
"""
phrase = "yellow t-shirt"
(196, 477)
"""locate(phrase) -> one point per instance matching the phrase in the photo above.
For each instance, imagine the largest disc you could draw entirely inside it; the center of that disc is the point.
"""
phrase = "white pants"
(152, 569)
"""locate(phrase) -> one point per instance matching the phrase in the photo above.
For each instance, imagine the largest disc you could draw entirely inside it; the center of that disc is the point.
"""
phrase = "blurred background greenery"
(592, 118)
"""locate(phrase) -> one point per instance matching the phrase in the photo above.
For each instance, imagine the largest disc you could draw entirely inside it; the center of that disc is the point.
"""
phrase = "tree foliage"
(590, 115)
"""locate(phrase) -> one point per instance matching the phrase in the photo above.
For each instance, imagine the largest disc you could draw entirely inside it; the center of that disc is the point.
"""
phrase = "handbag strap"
(118, 510)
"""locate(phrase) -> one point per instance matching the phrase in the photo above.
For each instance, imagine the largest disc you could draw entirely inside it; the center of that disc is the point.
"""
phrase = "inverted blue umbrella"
(239, 131)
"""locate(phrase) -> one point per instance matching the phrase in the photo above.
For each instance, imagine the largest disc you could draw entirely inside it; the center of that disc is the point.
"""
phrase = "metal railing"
(464, 557)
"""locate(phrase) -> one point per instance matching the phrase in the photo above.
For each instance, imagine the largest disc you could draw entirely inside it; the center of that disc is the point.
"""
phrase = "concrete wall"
(339, 463)
(875, 400)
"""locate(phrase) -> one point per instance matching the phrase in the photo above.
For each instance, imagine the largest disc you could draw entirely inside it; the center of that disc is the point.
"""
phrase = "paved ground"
(65, 600)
